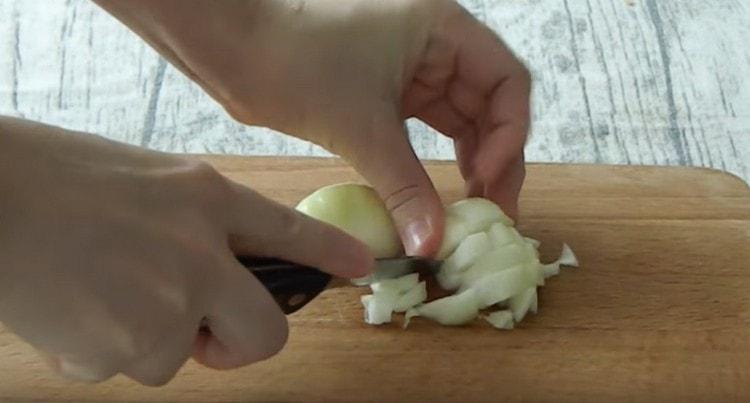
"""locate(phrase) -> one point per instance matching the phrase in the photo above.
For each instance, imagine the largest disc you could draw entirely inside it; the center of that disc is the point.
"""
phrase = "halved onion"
(357, 210)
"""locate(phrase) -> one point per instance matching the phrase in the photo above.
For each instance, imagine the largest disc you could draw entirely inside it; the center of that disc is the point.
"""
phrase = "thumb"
(387, 160)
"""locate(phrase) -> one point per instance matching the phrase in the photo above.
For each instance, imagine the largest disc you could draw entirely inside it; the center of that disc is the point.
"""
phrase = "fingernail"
(416, 235)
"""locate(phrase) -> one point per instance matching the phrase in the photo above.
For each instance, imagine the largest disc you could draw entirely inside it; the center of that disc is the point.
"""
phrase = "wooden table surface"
(616, 81)
(659, 310)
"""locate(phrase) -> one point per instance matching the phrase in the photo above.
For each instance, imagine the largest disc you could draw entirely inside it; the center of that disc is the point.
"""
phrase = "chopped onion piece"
(378, 308)
(567, 257)
(398, 285)
(499, 286)
(496, 260)
(455, 310)
(478, 214)
(415, 296)
(533, 242)
(500, 320)
(501, 235)
(521, 303)
(454, 232)
(551, 270)
(466, 253)
(531, 250)
(448, 280)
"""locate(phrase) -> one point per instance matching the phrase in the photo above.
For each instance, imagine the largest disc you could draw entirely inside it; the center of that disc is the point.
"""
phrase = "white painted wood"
(655, 82)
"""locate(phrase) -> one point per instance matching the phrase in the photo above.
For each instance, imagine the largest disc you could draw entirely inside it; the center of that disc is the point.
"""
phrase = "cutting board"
(658, 311)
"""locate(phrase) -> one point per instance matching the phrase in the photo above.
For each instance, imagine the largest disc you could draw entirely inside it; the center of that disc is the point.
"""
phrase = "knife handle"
(292, 285)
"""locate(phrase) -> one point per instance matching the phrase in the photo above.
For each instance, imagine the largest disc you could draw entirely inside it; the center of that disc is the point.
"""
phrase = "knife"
(293, 285)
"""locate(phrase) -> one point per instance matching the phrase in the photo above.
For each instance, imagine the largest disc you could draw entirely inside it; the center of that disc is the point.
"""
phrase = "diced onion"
(499, 286)
(488, 262)
(478, 214)
(398, 285)
(455, 230)
(378, 309)
(500, 320)
(494, 260)
(567, 257)
(413, 297)
(521, 303)
(501, 235)
(455, 310)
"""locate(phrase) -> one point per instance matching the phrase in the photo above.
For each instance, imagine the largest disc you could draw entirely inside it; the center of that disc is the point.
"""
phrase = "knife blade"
(293, 285)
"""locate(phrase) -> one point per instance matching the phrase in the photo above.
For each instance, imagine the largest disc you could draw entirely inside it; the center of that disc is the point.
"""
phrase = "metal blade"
(397, 267)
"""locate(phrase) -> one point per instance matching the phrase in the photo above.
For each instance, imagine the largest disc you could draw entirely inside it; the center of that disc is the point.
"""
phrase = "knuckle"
(291, 222)
(207, 186)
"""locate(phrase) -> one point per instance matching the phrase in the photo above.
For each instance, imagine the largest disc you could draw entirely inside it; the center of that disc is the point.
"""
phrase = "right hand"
(112, 256)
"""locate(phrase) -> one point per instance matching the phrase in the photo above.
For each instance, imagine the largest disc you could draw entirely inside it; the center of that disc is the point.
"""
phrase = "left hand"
(345, 75)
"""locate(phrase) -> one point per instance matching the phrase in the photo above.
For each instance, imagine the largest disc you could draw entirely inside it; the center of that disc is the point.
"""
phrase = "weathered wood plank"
(649, 83)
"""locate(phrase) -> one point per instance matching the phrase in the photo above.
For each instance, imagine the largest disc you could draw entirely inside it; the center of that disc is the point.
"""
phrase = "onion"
(501, 235)
(358, 211)
(397, 286)
(454, 232)
(503, 285)
(567, 258)
(484, 258)
(521, 303)
(471, 248)
(378, 309)
(455, 310)
(496, 260)
(411, 298)
(500, 320)
(478, 214)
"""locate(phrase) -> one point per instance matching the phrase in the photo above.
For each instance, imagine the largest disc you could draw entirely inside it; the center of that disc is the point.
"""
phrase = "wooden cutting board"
(658, 311)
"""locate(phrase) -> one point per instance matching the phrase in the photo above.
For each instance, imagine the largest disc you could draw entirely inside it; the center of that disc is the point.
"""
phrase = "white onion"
(455, 231)
(378, 309)
(499, 259)
(478, 214)
(398, 285)
(411, 298)
(501, 235)
(502, 285)
(522, 303)
(455, 310)
(500, 320)
(567, 257)
(358, 211)
(467, 252)
(484, 258)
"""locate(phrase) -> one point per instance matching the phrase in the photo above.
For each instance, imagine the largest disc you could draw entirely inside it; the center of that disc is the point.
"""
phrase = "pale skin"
(96, 234)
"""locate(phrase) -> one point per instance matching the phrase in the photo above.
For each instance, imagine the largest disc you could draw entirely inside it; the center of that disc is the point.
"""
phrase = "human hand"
(113, 256)
(345, 75)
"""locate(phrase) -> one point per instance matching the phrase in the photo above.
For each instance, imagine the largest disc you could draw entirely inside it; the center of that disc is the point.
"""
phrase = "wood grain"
(659, 310)
(619, 82)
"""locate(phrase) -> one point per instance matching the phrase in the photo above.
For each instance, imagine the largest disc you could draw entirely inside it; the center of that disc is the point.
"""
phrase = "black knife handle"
(292, 285)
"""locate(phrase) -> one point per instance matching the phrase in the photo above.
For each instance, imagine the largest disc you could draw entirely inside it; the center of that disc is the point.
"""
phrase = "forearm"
(180, 30)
